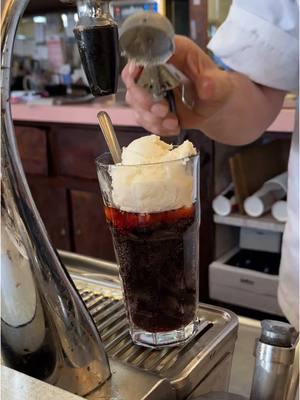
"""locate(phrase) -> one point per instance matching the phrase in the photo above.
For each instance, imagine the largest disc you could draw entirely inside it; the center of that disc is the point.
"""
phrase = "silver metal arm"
(47, 331)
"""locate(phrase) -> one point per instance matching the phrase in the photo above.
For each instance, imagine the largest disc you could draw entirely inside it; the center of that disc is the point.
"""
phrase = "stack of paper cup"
(225, 202)
(262, 201)
(279, 210)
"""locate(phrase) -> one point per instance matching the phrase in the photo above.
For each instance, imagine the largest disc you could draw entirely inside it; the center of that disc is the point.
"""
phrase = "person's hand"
(212, 87)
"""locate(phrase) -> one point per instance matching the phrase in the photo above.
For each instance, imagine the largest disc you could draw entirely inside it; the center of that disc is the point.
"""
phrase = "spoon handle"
(170, 97)
(110, 136)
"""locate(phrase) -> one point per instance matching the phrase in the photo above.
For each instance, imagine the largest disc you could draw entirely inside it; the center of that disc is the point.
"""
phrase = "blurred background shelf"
(266, 222)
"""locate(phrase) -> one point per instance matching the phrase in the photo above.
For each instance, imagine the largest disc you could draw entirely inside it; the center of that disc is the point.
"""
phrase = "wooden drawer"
(75, 148)
(32, 144)
(91, 233)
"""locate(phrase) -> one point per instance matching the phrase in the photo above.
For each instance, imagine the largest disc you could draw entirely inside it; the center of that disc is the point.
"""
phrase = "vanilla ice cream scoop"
(145, 150)
(153, 176)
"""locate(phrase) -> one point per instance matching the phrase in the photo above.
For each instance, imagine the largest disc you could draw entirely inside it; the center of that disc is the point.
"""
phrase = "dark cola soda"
(158, 266)
(99, 52)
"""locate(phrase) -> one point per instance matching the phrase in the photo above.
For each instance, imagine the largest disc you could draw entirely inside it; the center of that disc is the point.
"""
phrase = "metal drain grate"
(109, 315)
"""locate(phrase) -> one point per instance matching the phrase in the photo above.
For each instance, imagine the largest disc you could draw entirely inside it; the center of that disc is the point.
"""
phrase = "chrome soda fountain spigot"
(46, 330)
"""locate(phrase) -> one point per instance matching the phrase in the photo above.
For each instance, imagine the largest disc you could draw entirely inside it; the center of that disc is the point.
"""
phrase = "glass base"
(160, 340)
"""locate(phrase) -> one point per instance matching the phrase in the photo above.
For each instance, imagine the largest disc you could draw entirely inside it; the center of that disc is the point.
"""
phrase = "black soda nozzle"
(96, 34)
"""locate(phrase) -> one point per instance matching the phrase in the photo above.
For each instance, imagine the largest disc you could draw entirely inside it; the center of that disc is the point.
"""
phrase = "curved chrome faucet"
(47, 331)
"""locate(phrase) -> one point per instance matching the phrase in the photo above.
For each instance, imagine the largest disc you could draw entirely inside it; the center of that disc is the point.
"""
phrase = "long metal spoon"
(110, 136)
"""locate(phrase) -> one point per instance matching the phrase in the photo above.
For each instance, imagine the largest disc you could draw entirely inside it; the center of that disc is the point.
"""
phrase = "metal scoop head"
(147, 38)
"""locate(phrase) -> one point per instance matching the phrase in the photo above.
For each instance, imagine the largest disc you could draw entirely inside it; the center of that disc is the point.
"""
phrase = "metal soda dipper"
(148, 39)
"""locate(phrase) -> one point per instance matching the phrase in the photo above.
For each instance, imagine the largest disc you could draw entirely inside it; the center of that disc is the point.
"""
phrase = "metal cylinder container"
(274, 357)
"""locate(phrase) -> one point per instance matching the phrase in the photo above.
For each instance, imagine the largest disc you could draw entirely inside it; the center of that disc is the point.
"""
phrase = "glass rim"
(102, 164)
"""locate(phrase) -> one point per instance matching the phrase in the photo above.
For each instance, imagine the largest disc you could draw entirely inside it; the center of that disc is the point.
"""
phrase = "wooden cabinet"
(91, 232)
(52, 205)
(75, 148)
(32, 143)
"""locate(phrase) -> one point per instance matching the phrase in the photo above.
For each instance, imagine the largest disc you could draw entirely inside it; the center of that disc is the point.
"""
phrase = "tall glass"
(157, 249)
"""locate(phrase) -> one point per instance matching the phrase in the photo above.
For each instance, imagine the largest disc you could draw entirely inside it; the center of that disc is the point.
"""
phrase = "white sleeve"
(260, 39)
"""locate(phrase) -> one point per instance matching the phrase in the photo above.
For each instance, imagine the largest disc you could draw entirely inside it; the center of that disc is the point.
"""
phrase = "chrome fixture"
(47, 331)
(275, 351)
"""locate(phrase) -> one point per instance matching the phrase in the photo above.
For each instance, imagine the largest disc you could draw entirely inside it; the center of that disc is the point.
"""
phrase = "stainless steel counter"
(19, 386)
(87, 271)
(243, 360)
